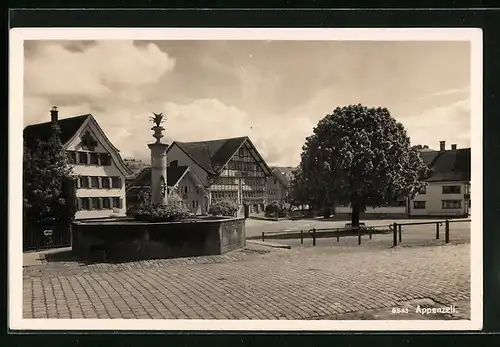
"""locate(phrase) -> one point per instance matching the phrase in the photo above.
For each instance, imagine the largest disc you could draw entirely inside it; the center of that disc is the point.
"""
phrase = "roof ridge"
(60, 119)
(214, 140)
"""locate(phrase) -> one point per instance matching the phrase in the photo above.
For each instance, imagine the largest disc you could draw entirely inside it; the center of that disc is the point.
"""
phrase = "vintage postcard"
(245, 179)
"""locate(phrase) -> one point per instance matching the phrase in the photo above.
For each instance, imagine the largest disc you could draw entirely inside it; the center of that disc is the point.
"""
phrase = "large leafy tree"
(361, 157)
(48, 187)
(306, 190)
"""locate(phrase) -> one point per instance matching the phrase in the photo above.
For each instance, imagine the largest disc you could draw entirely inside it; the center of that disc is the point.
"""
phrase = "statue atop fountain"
(159, 193)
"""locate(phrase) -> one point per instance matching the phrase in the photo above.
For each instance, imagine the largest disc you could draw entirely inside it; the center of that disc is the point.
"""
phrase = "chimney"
(454, 146)
(442, 146)
(54, 115)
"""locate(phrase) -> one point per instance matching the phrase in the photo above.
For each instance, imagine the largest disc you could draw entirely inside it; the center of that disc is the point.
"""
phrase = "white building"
(96, 163)
(448, 187)
(181, 181)
(278, 185)
(448, 190)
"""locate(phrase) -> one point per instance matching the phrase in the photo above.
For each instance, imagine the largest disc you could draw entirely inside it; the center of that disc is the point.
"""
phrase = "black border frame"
(404, 18)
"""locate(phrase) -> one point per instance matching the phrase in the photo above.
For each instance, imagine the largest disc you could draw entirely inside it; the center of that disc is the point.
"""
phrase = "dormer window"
(88, 142)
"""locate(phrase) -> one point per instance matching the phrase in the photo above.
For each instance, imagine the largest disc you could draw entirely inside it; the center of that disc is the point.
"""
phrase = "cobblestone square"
(324, 282)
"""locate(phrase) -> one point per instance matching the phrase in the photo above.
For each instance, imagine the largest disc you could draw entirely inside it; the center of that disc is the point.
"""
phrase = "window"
(94, 182)
(451, 189)
(105, 182)
(71, 157)
(275, 182)
(195, 203)
(95, 203)
(94, 158)
(423, 191)
(400, 203)
(84, 182)
(451, 204)
(116, 182)
(84, 204)
(174, 163)
(105, 159)
(117, 202)
(88, 141)
(186, 189)
(106, 203)
(419, 205)
(83, 158)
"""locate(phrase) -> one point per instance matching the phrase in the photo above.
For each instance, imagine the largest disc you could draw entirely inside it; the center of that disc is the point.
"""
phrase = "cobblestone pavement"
(323, 282)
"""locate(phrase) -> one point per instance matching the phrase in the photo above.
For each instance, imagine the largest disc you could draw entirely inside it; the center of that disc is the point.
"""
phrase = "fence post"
(399, 232)
(370, 234)
(395, 234)
(301, 237)
(447, 231)
(262, 236)
(338, 238)
(359, 235)
(437, 231)
(314, 237)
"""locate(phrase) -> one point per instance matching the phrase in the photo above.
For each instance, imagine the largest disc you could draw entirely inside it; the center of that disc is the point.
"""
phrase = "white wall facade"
(101, 171)
(192, 194)
(432, 200)
(276, 191)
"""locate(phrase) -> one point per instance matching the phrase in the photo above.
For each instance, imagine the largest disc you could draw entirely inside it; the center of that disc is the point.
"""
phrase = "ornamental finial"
(157, 119)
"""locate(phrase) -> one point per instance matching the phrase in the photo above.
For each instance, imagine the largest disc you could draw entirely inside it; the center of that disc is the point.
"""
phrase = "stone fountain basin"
(126, 239)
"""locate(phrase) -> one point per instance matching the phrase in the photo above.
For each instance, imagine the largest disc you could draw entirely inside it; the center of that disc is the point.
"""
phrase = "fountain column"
(158, 163)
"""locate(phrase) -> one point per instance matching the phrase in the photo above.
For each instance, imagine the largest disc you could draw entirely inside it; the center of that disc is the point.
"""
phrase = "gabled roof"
(174, 174)
(69, 128)
(451, 165)
(213, 155)
(43, 131)
(280, 176)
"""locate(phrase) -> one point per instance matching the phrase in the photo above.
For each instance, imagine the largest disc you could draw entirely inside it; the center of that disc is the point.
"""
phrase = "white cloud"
(213, 93)
(93, 72)
(450, 123)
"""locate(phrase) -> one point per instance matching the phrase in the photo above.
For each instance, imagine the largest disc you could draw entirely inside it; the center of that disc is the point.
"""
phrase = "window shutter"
(78, 203)
(100, 203)
(120, 203)
(78, 183)
(119, 183)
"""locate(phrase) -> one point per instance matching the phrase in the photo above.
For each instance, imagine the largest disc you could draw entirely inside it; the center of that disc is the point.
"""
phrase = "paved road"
(322, 282)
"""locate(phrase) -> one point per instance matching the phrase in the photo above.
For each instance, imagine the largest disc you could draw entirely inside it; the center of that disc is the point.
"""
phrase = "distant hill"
(135, 165)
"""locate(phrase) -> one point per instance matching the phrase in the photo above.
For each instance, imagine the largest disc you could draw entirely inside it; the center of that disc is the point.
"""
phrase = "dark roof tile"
(43, 131)
(174, 173)
(212, 155)
(451, 165)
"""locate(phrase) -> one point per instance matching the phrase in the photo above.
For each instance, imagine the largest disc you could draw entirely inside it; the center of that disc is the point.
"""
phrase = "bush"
(274, 209)
(223, 208)
(149, 211)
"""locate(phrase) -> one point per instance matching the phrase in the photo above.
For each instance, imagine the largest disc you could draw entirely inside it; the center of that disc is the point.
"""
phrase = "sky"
(275, 92)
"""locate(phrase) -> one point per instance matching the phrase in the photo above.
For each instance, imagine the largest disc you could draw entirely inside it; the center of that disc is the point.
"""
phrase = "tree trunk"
(356, 210)
(326, 213)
